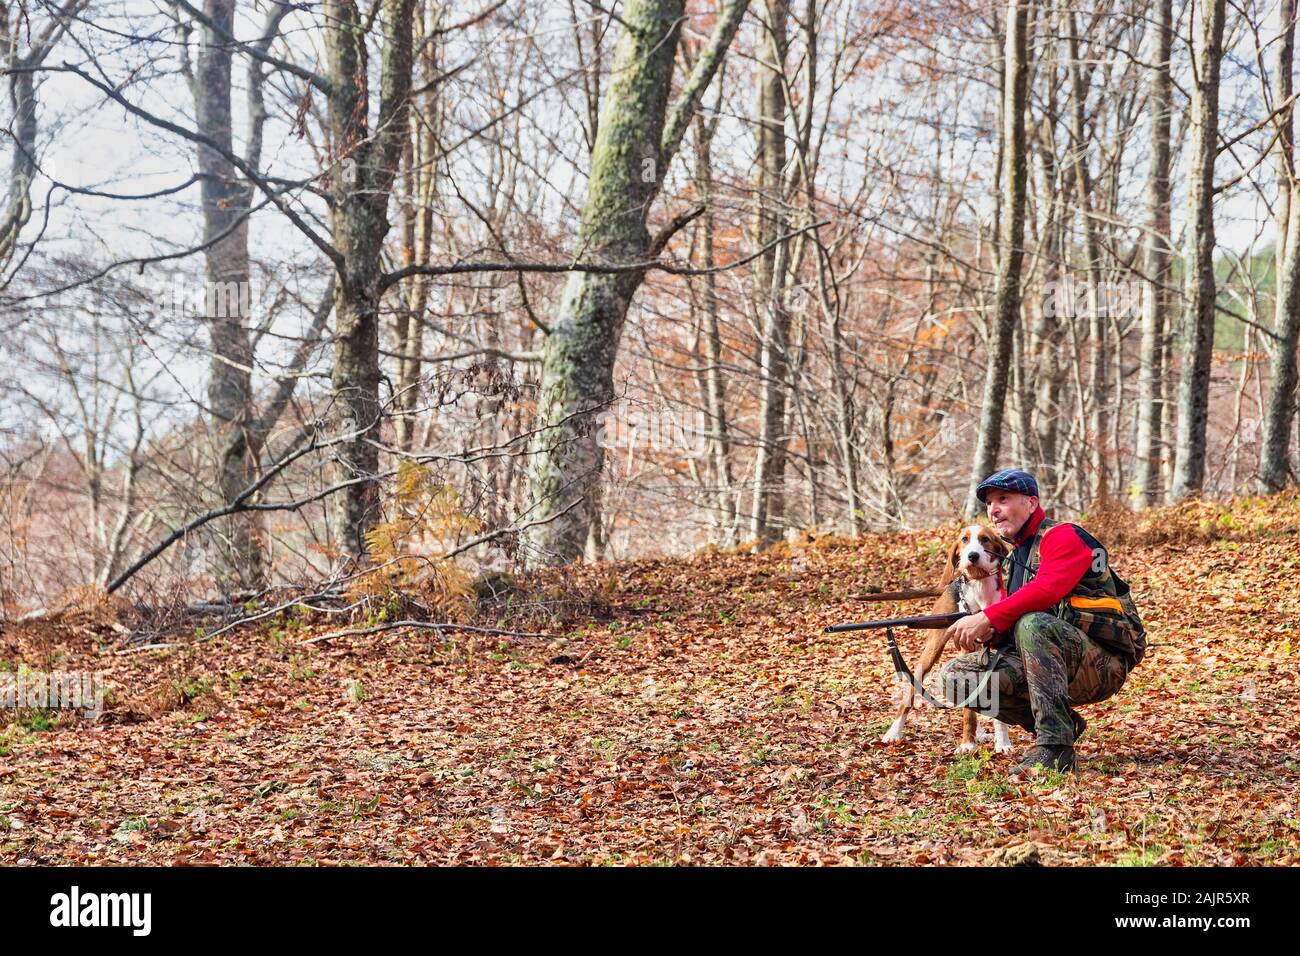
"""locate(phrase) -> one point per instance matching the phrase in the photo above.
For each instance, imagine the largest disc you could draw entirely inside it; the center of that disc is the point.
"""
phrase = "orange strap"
(1097, 604)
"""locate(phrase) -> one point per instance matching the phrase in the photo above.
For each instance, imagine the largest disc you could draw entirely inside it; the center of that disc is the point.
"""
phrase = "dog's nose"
(973, 557)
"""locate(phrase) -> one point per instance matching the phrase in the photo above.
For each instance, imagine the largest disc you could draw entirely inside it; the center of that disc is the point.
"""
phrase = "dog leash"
(989, 671)
(993, 658)
(902, 670)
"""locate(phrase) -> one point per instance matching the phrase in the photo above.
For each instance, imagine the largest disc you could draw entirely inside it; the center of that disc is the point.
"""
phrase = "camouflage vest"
(1100, 604)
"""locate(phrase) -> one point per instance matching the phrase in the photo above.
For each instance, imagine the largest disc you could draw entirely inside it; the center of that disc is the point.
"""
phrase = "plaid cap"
(1008, 480)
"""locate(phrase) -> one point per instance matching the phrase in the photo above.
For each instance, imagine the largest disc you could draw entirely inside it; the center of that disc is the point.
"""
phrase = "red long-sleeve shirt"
(1063, 559)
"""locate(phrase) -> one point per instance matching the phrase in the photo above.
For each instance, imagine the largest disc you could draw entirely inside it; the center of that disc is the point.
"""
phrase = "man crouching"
(1067, 630)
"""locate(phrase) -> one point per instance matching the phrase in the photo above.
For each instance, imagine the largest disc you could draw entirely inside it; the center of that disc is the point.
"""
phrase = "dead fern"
(410, 573)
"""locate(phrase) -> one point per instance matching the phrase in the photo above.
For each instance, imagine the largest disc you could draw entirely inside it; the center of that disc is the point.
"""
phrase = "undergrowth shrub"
(1194, 521)
(411, 573)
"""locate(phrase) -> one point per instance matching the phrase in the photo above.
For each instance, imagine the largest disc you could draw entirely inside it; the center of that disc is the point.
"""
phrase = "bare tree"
(365, 164)
(1198, 323)
(709, 377)
(1274, 464)
(225, 200)
(1006, 307)
(421, 162)
(767, 516)
(1150, 436)
(24, 47)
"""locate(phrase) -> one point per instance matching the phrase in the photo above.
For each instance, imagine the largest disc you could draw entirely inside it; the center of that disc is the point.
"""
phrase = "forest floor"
(702, 718)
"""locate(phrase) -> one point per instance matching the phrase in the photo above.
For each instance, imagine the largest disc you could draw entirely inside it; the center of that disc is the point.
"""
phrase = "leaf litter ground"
(707, 719)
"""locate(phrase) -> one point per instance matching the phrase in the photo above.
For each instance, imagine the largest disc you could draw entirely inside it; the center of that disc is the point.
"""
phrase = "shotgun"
(933, 622)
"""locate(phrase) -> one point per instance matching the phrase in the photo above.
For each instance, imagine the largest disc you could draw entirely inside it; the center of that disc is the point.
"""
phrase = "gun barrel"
(925, 621)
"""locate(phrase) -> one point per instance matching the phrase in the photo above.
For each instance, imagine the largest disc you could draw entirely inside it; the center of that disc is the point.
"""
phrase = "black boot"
(1049, 756)
(1076, 718)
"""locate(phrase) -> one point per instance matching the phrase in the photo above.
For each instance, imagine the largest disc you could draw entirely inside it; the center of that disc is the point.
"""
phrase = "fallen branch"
(145, 647)
(270, 612)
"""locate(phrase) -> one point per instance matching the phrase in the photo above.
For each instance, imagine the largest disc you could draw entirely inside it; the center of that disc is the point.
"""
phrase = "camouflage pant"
(1052, 666)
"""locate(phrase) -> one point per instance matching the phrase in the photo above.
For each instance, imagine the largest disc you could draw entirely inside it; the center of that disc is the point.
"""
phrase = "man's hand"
(970, 632)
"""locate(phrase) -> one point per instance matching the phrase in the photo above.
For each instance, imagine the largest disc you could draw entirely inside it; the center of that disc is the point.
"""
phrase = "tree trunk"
(713, 387)
(1095, 433)
(1273, 462)
(1284, 148)
(633, 147)
(578, 359)
(1274, 465)
(18, 34)
(1150, 436)
(1197, 347)
(18, 202)
(1006, 306)
(767, 517)
(1048, 328)
(421, 159)
(365, 166)
(227, 299)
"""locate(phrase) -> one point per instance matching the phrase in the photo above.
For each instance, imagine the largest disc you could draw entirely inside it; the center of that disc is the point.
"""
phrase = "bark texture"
(1006, 306)
(1274, 470)
(365, 166)
(1197, 346)
(1156, 256)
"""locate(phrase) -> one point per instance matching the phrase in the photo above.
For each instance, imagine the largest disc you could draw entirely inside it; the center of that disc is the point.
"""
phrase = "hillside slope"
(704, 719)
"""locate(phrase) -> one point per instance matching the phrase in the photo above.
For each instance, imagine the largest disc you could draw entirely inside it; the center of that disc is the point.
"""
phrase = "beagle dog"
(971, 582)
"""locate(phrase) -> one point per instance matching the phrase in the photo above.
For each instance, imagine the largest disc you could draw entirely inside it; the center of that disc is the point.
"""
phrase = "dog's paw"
(968, 747)
(894, 733)
(1002, 738)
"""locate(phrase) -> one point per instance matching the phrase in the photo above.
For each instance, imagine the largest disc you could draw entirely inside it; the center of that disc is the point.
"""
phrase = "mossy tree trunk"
(1280, 406)
(635, 142)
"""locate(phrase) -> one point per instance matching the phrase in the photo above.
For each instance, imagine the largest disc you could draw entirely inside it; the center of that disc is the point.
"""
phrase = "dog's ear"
(950, 566)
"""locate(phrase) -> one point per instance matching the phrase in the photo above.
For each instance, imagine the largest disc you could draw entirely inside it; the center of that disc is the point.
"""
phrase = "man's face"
(1009, 510)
